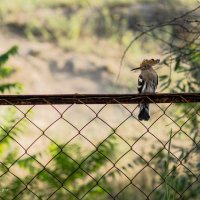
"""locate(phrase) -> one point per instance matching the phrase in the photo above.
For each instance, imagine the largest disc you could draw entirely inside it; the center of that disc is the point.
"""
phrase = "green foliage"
(9, 150)
(78, 176)
(68, 22)
(186, 70)
(6, 71)
(4, 57)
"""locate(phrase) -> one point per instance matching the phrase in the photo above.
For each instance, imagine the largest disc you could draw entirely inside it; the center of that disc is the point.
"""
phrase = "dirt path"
(44, 68)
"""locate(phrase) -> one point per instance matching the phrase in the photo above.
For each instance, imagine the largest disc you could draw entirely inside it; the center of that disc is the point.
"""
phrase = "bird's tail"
(144, 112)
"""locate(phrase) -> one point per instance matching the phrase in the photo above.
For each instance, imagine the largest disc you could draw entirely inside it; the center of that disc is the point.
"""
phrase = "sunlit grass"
(67, 23)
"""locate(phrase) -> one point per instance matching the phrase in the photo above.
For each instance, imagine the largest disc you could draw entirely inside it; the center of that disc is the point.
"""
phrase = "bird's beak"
(135, 69)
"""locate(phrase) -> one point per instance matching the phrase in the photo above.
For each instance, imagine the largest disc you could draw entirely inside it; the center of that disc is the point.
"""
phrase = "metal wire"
(148, 161)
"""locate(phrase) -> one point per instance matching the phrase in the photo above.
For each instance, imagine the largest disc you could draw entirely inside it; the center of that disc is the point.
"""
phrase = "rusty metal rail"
(98, 98)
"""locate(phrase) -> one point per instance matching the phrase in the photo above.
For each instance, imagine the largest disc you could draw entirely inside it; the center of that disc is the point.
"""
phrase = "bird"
(147, 83)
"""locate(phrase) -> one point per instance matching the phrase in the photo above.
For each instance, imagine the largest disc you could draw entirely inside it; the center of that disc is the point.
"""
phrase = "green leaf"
(8, 86)
(4, 57)
(5, 72)
(163, 77)
(177, 65)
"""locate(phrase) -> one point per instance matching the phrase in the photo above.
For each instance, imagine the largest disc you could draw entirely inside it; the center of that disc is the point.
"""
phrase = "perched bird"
(147, 83)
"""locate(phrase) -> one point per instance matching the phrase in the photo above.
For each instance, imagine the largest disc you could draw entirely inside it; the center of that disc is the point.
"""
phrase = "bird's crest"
(150, 62)
(146, 64)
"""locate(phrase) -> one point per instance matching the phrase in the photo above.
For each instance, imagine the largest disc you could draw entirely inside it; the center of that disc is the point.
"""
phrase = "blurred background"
(76, 46)
(65, 43)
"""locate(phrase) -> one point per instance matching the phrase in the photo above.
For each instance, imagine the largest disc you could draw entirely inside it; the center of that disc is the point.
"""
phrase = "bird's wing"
(141, 83)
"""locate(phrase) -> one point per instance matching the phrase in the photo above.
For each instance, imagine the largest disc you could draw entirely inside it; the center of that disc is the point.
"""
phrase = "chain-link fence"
(94, 146)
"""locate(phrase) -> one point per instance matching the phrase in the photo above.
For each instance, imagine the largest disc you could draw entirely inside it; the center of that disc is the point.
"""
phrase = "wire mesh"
(94, 146)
